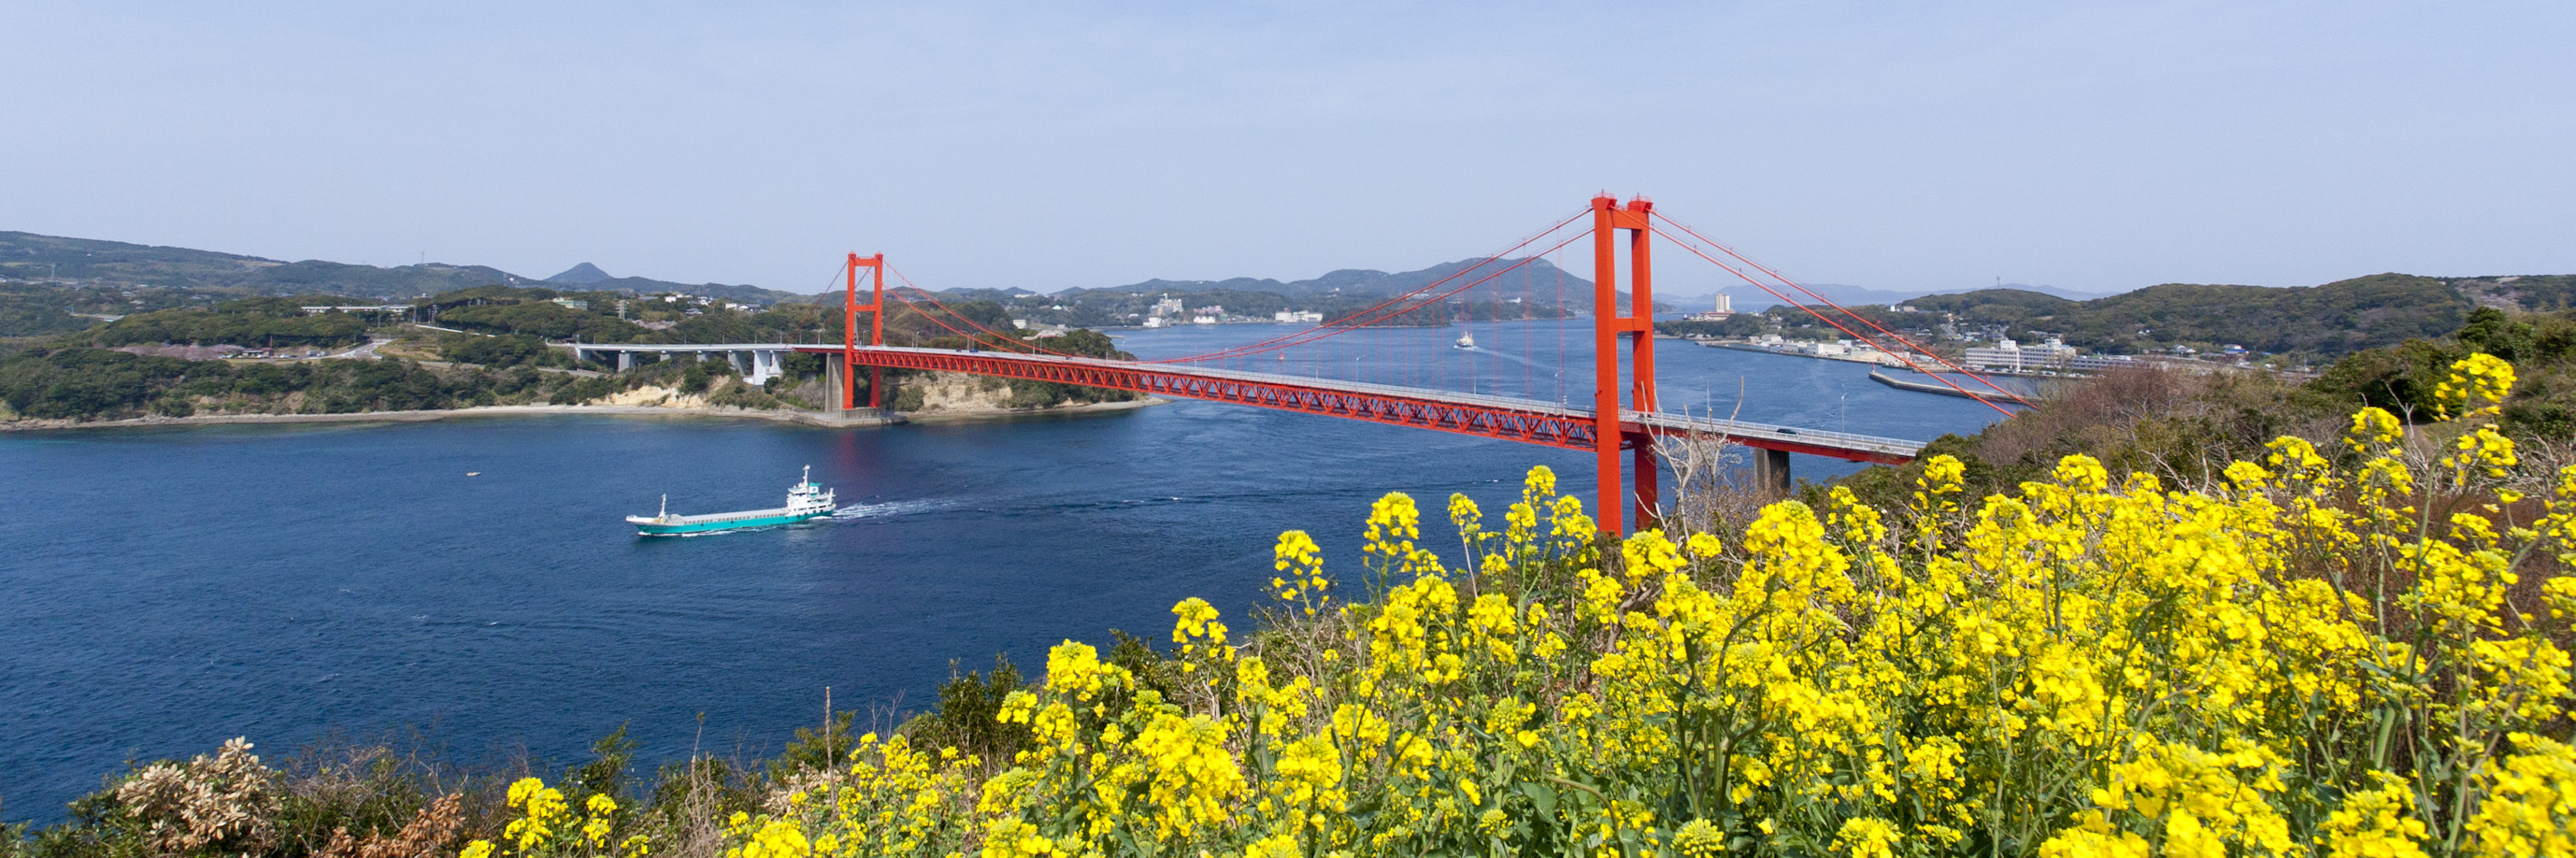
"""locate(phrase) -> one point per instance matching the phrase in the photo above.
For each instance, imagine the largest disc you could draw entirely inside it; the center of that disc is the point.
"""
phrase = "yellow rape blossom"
(2477, 386)
(2295, 661)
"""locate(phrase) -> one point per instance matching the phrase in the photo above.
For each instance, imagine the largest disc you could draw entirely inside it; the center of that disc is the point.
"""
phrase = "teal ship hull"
(694, 524)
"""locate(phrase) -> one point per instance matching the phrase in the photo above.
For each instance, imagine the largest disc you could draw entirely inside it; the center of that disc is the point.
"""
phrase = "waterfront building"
(1725, 308)
(2009, 356)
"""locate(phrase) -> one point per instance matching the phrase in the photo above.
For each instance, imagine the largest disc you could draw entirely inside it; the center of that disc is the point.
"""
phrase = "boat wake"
(1519, 359)
(887, 509)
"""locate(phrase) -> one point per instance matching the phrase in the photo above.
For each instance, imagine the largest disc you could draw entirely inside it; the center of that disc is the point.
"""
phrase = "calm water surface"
(162, 590)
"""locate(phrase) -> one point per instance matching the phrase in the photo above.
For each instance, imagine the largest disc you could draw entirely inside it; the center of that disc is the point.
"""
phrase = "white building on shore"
(1725, 308)
(2051, 355)
(2008, 356)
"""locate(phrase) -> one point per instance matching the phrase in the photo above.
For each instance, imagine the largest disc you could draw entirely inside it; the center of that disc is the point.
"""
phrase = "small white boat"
(1467, 340)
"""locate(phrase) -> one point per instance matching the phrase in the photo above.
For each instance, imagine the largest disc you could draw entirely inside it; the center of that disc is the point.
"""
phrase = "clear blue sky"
(2097, 146)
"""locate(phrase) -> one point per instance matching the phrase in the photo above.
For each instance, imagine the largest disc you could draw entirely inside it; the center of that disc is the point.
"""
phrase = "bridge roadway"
(1504, 418)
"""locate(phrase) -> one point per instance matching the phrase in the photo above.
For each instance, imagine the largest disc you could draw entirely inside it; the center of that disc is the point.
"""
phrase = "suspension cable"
(1011, 340)
(1918, 348)
(1347, 322)
(1695, 251)
(1274, 343)
(1380, 312)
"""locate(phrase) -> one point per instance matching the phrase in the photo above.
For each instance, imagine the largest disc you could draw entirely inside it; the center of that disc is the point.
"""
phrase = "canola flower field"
(2359, 650)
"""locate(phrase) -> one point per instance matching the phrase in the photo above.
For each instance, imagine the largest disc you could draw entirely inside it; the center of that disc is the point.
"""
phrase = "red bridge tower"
(850, 333)
(1608, 219)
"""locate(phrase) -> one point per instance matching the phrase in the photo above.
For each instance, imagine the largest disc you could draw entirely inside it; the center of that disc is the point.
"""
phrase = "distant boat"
(1467, 340)
(805, 500)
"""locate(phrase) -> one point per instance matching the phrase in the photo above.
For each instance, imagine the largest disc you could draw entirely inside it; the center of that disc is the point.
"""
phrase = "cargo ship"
(805, 500)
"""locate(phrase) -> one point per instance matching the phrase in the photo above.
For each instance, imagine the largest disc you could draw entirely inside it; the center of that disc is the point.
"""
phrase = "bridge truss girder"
(1572, 432)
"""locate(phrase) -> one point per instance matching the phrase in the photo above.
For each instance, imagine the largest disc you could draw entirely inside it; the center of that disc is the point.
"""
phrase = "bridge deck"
(1505, 418)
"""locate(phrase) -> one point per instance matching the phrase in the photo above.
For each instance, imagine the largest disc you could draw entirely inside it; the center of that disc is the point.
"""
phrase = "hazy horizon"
(2095, 148)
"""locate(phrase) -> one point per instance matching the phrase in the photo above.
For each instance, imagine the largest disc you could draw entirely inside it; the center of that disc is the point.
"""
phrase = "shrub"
(226, 803)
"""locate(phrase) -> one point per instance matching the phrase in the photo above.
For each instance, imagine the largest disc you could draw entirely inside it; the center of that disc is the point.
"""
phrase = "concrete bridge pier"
(757, 367)
(835, 374)
(1771, 469)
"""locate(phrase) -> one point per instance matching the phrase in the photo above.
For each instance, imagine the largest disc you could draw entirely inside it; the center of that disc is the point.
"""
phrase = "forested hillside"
(2336, 318)
(497, 354)
(2306, 323)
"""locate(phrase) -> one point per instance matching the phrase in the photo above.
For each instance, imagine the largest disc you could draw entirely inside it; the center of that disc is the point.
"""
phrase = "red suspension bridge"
(1612, 425)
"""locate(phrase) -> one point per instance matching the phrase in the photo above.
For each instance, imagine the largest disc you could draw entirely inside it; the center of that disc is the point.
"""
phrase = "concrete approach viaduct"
(757, 362)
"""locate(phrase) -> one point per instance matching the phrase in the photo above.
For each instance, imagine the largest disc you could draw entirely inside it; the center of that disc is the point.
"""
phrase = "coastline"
(812, 418)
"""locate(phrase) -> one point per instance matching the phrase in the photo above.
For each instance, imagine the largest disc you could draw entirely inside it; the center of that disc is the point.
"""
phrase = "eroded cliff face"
(655, 397)
(957, 392)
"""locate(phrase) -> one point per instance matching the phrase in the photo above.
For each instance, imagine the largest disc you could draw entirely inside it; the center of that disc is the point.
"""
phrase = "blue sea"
(162, 590)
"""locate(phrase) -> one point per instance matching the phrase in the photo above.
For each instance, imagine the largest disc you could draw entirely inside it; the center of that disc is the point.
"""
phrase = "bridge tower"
(1609, 217)
(850, 332)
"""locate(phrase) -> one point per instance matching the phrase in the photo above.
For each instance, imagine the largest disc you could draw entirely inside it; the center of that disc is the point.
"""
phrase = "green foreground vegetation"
(2168, 614)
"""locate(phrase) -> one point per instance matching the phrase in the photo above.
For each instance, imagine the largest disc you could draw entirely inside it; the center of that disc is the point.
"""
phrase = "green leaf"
(1542, 795)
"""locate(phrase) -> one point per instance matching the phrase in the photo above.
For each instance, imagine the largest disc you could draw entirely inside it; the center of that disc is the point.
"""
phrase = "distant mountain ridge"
(1540, 279)
(1539, 276)
(1749, 299)
(1517, 288)
(31, 257)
